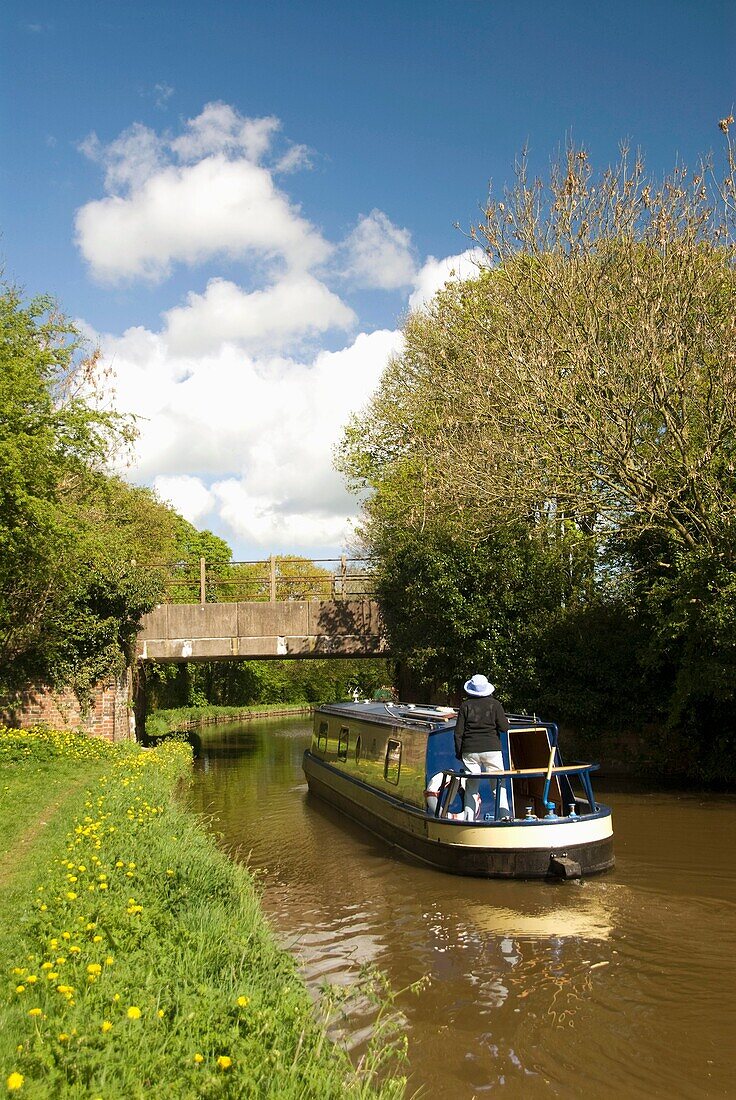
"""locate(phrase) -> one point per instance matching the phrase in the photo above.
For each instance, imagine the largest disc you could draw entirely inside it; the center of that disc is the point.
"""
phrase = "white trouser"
(483, 762)
(433, 791)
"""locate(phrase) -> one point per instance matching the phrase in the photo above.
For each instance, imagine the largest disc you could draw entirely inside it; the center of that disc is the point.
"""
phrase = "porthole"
(322, 736)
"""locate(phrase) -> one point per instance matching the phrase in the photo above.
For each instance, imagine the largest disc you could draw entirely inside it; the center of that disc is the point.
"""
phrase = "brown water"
(622, 985)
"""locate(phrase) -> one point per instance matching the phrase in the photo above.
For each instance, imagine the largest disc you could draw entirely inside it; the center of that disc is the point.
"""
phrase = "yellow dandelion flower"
(20, 989)
(134, 1013)
(15, 1082)
(105, 1025)
(223, 1062)
(31, 979)
(71, 896)
(243, 1001)
(43, 908)
(198, 1058)
(35, 1012)
(63, 1037)
(94, 968)
(97, 939)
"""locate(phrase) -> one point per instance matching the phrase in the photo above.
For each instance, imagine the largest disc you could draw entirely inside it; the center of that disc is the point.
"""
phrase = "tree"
(580, 393)
(588, 373)
(76, 545)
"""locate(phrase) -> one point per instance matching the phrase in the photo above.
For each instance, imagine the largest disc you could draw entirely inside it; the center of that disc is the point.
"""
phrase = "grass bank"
(162, 722)
(135, 954)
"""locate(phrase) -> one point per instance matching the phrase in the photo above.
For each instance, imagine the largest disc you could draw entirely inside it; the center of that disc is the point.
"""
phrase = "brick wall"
(109, 714)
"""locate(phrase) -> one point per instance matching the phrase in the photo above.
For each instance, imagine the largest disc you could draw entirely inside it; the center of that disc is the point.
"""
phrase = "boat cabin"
(399, 748)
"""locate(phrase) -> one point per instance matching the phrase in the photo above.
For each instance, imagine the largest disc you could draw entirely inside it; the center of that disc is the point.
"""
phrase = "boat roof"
(411, 715)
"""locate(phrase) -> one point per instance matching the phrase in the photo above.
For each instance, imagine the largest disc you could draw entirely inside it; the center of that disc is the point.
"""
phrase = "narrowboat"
(392, 768)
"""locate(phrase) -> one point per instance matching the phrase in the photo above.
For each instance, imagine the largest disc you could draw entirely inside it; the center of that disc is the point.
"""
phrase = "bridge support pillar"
(140, 699)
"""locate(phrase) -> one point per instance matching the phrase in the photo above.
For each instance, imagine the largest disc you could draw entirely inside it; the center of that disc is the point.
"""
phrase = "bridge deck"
(238, 631)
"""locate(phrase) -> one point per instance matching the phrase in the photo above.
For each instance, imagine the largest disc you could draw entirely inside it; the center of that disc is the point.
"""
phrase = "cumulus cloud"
(238, 415)
(244, 439)
(379, 253)
(188, 495)
(221, 129)
(272, 319)
(190, 198)
(434, 274)
(129, 160)
(216, 206)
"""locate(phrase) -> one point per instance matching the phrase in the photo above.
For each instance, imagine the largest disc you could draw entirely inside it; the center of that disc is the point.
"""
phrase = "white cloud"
(238, 422)
(434, 274)
(129, 160)
(162, 93)
(379, 254)
(187, 199)
(295, 157)
(188, 495)
(260, 522)
(249, 438)
(215, 207)
(274, 318)
(221, 129)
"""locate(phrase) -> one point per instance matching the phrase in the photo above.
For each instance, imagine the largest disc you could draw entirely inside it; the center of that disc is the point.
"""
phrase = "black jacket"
(479, 722)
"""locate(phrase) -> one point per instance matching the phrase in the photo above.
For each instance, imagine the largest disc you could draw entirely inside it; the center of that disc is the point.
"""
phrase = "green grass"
(40, 771)
(136, 957)
(162, 722)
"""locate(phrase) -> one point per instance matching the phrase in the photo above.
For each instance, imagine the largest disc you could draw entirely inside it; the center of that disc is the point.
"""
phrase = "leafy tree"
(578, 395)
(77, 546)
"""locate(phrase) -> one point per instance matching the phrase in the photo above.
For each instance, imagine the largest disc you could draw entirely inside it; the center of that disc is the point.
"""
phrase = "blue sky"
(245, 265)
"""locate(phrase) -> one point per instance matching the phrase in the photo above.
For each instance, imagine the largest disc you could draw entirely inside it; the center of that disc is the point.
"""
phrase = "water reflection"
(619, 985)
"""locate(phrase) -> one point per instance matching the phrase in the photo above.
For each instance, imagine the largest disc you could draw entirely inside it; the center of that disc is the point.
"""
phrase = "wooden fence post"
(202, 581)
(272, 578)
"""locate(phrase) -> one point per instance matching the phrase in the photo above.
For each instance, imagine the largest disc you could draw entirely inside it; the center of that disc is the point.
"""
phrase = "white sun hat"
(478, 685)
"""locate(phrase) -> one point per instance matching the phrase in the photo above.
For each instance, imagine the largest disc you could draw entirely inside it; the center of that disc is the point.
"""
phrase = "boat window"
(358, 747)
(322, 736)
(342, 747)
(392, 764)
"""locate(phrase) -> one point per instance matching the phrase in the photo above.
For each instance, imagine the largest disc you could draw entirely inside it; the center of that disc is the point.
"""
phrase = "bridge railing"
(270, 580)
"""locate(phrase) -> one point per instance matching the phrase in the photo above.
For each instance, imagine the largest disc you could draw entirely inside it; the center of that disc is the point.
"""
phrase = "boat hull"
(518, 849)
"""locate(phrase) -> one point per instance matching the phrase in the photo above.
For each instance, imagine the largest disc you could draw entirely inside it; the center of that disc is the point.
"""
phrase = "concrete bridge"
(313, 628)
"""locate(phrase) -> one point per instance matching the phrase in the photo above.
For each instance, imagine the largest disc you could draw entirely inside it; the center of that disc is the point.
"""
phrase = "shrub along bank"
(136, 955)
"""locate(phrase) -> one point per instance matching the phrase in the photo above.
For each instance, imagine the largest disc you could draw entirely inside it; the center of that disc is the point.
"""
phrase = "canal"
(618, 986)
